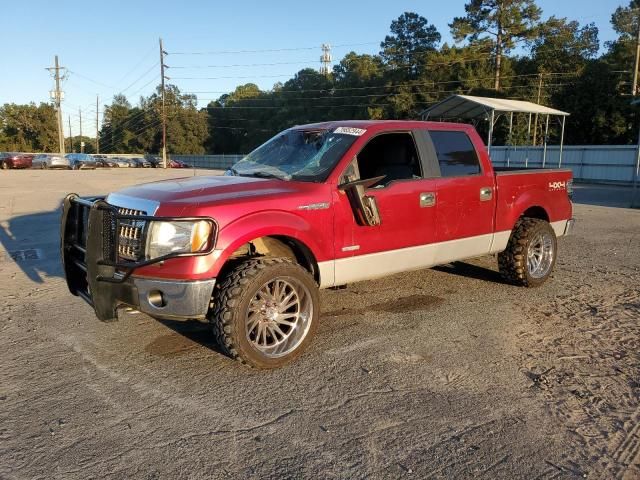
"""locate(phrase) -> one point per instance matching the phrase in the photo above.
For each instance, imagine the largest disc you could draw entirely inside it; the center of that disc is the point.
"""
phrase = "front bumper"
(96, 272)
(163, 298)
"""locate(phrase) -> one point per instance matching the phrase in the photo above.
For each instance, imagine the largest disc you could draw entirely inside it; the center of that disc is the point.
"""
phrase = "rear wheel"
(5, 165)
(530, 255)
(265, 312)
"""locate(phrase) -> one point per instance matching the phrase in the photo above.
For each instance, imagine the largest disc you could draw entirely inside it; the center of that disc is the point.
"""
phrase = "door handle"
(427, 199)
(486, 193)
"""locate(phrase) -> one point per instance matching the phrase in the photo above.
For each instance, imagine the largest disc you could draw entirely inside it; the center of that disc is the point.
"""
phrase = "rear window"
(456, 155)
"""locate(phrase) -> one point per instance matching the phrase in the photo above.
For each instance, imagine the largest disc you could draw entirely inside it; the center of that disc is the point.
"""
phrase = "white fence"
(606, 163)
(218, 162)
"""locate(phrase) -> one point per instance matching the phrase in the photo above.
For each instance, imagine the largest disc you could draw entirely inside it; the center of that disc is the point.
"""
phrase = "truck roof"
(383, 125)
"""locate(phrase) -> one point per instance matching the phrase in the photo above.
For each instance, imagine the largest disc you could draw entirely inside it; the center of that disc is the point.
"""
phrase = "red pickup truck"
(317, 206)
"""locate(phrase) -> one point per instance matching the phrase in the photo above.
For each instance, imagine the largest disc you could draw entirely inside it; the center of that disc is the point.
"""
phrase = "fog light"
(156, 299)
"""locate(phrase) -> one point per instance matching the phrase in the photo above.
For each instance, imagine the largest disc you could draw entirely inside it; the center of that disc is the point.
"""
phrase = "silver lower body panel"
(173, 298)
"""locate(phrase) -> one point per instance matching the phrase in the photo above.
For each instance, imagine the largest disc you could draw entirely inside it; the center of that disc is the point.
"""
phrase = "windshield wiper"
(266, 175)
(233, 171)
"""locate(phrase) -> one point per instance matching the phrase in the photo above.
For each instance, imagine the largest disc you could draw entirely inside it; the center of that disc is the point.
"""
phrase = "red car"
(16, 160)
(177, 164)
(317, 206)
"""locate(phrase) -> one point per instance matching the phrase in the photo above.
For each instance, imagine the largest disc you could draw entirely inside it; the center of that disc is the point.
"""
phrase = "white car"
(50, 160)
(124, 162)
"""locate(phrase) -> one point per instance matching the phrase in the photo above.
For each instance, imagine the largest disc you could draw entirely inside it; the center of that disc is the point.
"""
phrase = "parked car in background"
(81, 161)
(177, 164)
(15, 160)
(51, 160)
(122, 162)
(141, 162)
(156, 162)
(102, 161)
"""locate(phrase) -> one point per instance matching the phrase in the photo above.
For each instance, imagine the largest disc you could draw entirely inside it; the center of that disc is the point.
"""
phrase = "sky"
(112, 46)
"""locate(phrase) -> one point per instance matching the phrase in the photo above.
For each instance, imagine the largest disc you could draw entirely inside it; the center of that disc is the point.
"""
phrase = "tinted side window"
(392, 155)
(456, 154)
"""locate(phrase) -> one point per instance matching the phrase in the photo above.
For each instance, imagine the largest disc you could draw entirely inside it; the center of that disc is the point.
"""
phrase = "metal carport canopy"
(468, 106)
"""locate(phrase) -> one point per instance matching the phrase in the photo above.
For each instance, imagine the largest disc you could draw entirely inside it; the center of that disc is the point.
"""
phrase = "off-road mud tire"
(231, 298)
(512, 261)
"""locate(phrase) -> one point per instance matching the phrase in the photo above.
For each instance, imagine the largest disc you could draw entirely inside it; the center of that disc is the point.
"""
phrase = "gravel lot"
(442, 373)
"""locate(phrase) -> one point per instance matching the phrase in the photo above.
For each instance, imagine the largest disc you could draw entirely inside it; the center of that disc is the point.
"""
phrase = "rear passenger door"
(465, 198)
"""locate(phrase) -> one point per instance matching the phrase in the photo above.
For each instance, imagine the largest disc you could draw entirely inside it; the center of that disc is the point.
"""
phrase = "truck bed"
(518, 170)
(520, 189)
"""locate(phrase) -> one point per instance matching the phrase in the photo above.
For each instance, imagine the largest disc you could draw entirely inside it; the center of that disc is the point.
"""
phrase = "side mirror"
(365, 208)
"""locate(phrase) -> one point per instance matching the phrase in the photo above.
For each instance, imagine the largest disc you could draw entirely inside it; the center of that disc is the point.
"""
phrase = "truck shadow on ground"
(190, 333)
(32, 242)
(469, 270)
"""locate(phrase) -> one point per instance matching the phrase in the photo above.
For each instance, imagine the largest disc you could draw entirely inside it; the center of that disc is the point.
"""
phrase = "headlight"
(178, 237)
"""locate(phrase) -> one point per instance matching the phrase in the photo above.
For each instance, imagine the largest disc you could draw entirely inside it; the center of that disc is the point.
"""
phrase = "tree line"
(503, 49)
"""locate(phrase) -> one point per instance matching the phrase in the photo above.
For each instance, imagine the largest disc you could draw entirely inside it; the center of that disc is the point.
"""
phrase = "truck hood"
(204, 190)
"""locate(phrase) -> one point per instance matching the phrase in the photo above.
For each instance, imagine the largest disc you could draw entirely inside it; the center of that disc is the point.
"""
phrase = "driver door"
(406, 205)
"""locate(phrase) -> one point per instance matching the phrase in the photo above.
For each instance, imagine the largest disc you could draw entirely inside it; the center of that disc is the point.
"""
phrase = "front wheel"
(265, 311)
(530, 255)
(5, 165)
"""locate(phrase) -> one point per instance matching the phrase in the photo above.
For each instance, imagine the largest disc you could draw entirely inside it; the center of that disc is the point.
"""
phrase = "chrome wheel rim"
(540, 255)
(279, 316)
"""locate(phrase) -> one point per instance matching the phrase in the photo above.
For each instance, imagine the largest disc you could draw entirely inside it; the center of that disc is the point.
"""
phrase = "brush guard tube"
(94, 271)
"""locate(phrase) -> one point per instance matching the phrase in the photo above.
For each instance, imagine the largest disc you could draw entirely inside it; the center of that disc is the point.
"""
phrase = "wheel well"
(278, 246)
(536, 212)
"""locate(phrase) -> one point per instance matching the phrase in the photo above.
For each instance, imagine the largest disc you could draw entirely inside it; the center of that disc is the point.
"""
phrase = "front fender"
(314, 230)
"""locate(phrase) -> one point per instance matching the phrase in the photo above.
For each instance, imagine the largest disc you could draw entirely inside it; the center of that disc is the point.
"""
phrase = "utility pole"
(498, 62)
(164, 113)
(635, 201)
(57, 95)
(535, 122)
(325, 60)
(97, 136)
(634, 87)
(81, 142)
(70, 136)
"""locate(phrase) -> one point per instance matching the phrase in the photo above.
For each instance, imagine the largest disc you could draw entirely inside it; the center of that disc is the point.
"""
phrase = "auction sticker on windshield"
(350, 131)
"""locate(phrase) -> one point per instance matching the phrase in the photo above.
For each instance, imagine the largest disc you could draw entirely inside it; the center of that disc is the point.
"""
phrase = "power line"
(135, 116)
(91, 79)
(305, 62)
(270, 50)
(140, 77)
(146, 55)
(302, 74)
(302, 62)
(414, 94)
(511, 87)
(393, 86)
(299, 74)
(115, 90)
(137, 133)
(145, 85)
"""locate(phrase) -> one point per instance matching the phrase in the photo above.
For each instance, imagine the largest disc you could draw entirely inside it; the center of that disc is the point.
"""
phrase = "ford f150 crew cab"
(317, 206)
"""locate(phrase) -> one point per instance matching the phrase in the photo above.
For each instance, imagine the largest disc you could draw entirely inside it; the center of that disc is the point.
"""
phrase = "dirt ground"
(442, 373)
